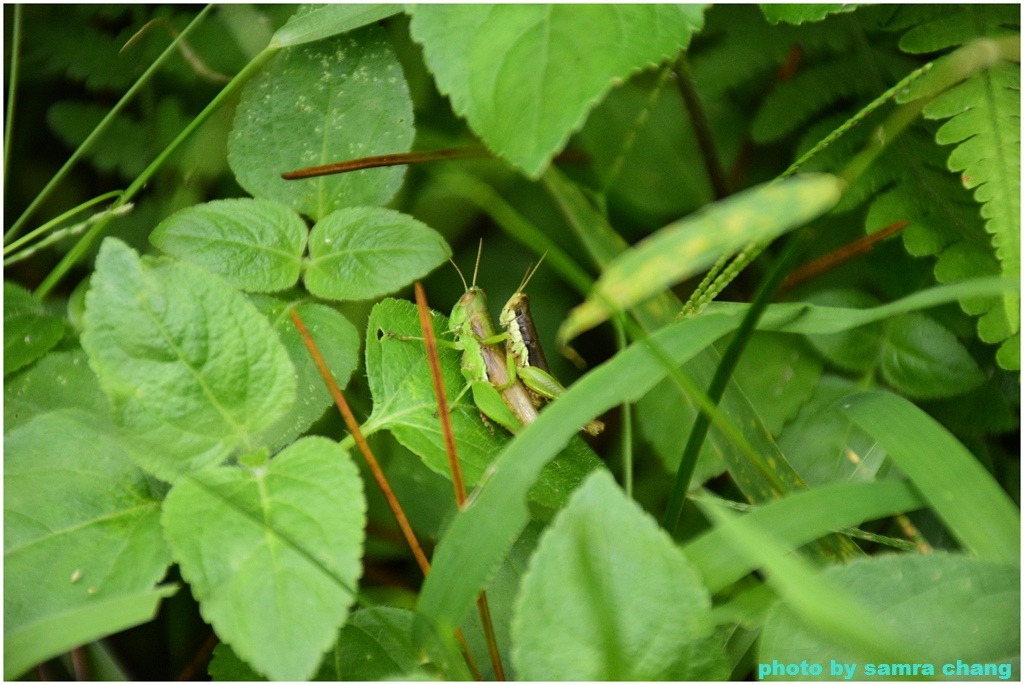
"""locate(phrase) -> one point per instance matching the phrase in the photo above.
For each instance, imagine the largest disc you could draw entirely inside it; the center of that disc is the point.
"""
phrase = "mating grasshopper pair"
(509, 383)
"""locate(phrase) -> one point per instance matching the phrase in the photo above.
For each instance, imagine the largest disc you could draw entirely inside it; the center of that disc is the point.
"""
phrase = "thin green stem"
(82, 247)
(101, 127)
(849, 124)
(12, 80)
(55, 222)
(65, 232)
(627, 424)
(674, 508)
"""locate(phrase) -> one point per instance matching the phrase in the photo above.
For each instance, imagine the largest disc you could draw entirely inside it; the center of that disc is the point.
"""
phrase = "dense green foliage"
(170, 456)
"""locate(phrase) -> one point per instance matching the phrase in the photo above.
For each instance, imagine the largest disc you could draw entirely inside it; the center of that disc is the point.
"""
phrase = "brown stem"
(837, 257)
(200, 658)
(442, 399)
(378, 474)
(453, 461)
(393, 159)
(357, 435)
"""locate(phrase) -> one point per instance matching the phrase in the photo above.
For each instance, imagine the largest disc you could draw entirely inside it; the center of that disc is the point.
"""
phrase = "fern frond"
(983, 123)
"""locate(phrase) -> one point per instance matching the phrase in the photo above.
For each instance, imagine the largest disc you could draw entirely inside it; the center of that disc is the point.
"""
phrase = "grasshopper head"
(470, 307)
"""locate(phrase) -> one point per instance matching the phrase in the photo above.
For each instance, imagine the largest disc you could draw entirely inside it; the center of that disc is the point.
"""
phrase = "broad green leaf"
(29, 332)
(61, 380)
(273, 554)
(922, 359)
(193, 370)
(375, 644)
(526, 76)
(823, 445)
(690, 245)
(916, 595)
(81, 526)
(962, 493)
(502, 595)
(62, 632)
(404, 404)
(799, 14)
(799, 519)
(991, 408)
(255, 245)
(478, 537)
(819, 601)
(324, 102)
(338, 341)
(315, 22)
(777, 376)
(610, 597)
(857, 349)
(361, 253)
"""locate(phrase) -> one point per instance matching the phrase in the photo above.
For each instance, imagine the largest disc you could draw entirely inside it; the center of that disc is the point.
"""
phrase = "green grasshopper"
(496, 389)
(524, 351)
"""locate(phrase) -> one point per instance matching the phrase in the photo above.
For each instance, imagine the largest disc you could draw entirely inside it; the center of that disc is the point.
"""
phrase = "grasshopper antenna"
(530, 272)
(459, 271)
(476, 267)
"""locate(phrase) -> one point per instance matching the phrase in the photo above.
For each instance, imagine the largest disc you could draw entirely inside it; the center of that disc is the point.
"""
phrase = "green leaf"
(193, 370)
(857, 349)
(375, 644)
(315, 22)
(924, 360)
(29, 332)
(610, 597)
(799, 14)
(974, 508)
(823, 445)
(916, 595)
(984, 110)
(526, 76)
(822, 603)
(46, 386)
(797, 520)
(691, 245)
(339, 345)
(62, 632)
(81, 526)
(777, 376)
(273, 554)
(332, 100)
(255, 245)
(983, 115)
(404, 404)
(361, 253)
